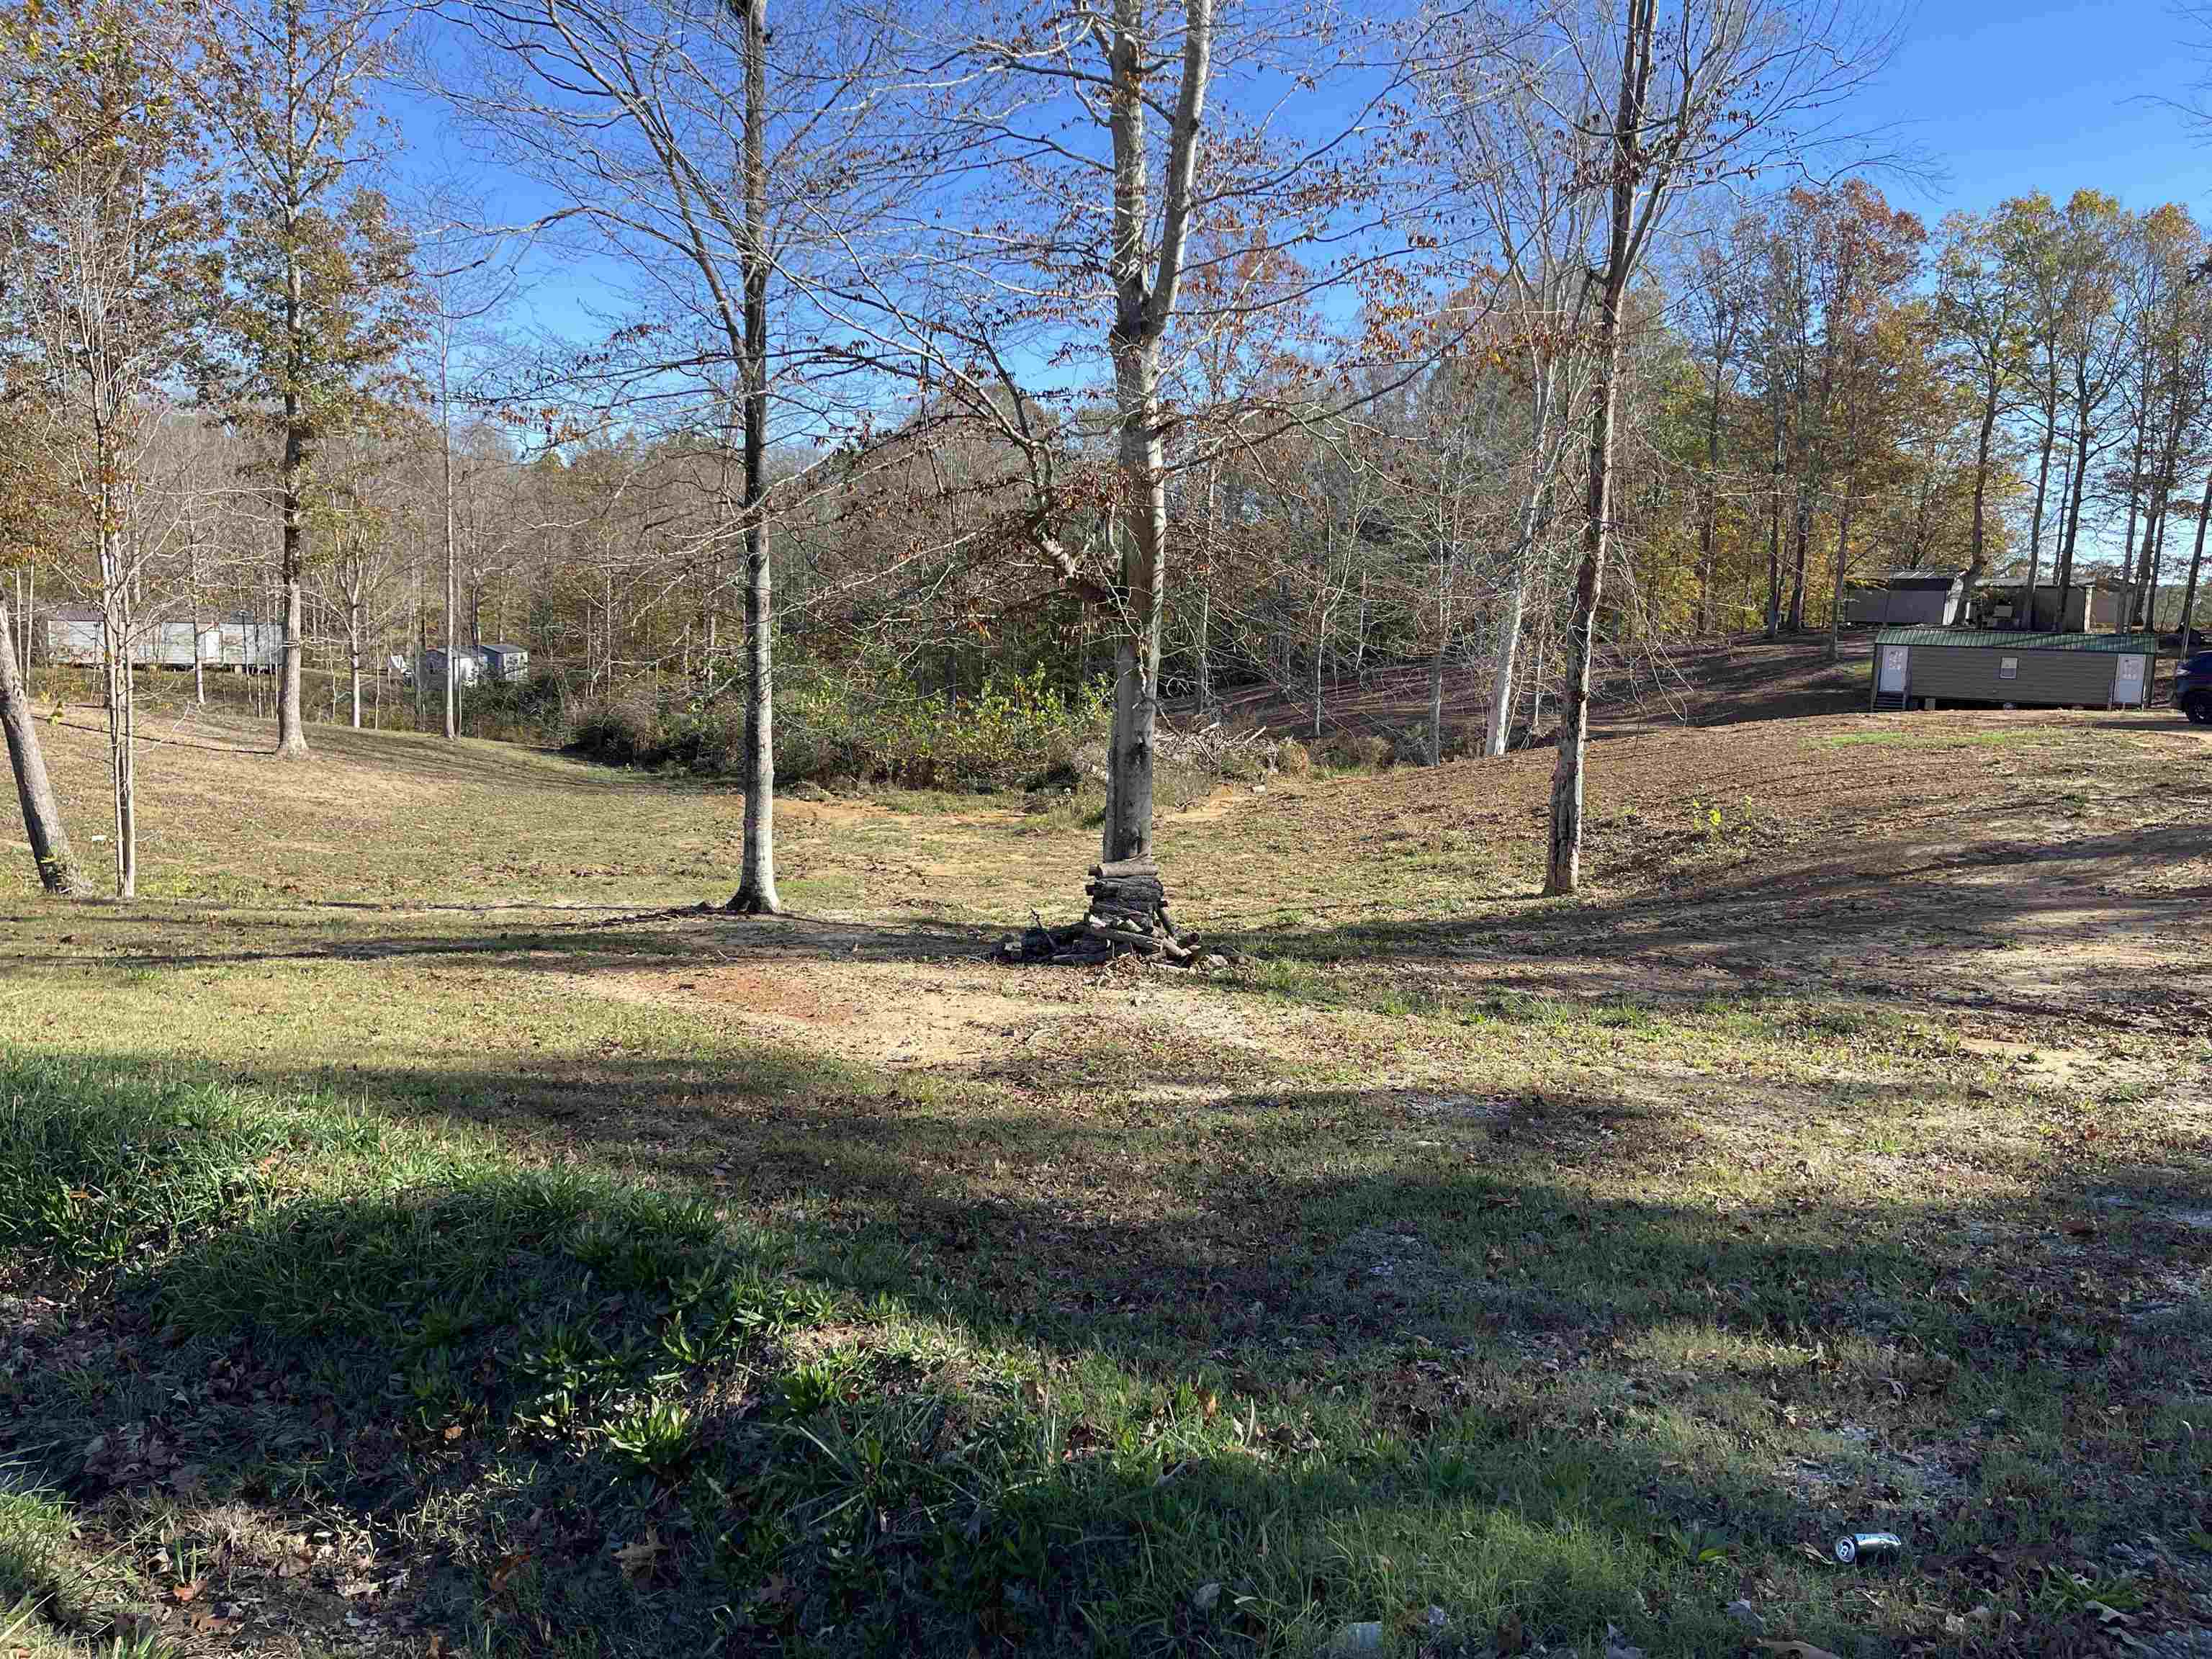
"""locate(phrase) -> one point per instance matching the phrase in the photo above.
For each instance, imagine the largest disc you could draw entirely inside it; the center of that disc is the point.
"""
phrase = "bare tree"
(1716, 94)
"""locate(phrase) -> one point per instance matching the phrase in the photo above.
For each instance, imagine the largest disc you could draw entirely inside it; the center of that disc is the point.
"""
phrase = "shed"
(1982, 665)
(1931, 596)
(504, 662)
(467, 667)
(2094, 602)
(1863, 604)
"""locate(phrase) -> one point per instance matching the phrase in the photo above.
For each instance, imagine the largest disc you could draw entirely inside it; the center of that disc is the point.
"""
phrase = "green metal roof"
(1986, 639)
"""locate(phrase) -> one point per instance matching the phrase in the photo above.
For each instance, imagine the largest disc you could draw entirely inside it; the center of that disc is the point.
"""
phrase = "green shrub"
(623, 731)
(1292, 759)
(864, 723)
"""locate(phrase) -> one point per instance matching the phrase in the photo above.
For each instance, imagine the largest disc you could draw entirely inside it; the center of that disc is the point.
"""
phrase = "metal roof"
(1927, 578)
(489, 645)
(1987, 638)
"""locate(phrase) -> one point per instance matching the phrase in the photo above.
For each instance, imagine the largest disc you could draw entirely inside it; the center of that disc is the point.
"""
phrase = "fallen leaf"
(504, 1568)
(206, 1622)
(454, 1432)
(638, 1555)
(185, 1592)
(1510, 1638)
(1797, 1650)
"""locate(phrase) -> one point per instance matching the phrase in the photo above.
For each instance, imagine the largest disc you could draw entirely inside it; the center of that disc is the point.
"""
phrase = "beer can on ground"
(1853, 1544)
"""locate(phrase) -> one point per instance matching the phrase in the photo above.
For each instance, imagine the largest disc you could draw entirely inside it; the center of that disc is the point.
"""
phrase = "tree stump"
(1128, 916)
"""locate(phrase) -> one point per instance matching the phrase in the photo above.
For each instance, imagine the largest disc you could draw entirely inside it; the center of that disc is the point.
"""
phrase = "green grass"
(634, 1279)
(831, 1434)
(2027, 736)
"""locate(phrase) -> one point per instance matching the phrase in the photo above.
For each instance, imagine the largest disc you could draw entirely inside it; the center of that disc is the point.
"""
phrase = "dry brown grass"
(1732, 1198)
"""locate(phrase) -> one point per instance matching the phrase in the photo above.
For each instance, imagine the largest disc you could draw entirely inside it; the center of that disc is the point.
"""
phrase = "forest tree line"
(1144, 350)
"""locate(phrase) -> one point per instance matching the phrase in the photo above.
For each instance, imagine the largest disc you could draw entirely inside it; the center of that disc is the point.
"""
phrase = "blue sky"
(2013, 98)
(2004, 98)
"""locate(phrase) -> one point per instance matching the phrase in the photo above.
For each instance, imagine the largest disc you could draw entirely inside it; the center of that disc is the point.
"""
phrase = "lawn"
(425, 1230)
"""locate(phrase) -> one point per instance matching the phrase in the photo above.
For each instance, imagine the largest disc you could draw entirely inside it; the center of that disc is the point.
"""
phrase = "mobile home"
(1933, 665)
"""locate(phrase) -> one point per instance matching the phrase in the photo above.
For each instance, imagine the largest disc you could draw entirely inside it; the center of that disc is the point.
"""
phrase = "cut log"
(1127, 916)
(1122, 869)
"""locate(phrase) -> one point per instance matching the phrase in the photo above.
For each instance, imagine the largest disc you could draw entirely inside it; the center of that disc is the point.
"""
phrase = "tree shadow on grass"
(939, 1416)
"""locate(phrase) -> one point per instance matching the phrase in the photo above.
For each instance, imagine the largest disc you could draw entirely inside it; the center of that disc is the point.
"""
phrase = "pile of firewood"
(1128, 915)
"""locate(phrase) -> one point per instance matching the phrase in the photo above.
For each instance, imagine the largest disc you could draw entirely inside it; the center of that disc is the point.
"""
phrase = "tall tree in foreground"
(1712, 94)
(320, 279)
(24, 490)
(718, 162)
(59, 873)
(105, 239)
(756, 894)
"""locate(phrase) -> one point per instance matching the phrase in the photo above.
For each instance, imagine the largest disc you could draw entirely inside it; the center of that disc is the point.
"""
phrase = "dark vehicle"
(2192, 687)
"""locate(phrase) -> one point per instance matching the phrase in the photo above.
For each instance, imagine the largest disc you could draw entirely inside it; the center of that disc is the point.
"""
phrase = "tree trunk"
(2042, 492)
(1206, 593)
(1563, 866)
(59, 873)
(1801, 537)
(1204, 652)
(2196, 561)
(1437, 707)
(2135, 502)
(2150, 619)
(1843, 563)
(1359, 635)
(1509, 650)
(1708, 520)
(756, 894)
(353, 642)
(1320, 661)
(1980, 559)
(1774, 536)
(115, 643)
(2065, 573)
(445, 457)
(291, 723)
(1129, 827)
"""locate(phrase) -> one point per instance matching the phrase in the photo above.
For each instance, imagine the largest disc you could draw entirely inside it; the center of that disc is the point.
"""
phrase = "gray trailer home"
(1934, 665)
(73, 636)
(169, 640)
(1931, 596)
(247, 646)
(505, 662)
(174, 641)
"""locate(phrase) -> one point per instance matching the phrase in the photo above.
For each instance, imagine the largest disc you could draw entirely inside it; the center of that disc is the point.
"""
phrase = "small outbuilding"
(467, 667)
(1931, 666)
(1931, 596)
(504, 662)
(2095, 603)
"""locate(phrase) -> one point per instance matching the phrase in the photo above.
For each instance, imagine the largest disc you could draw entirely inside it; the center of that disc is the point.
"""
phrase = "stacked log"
(1128, 915)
